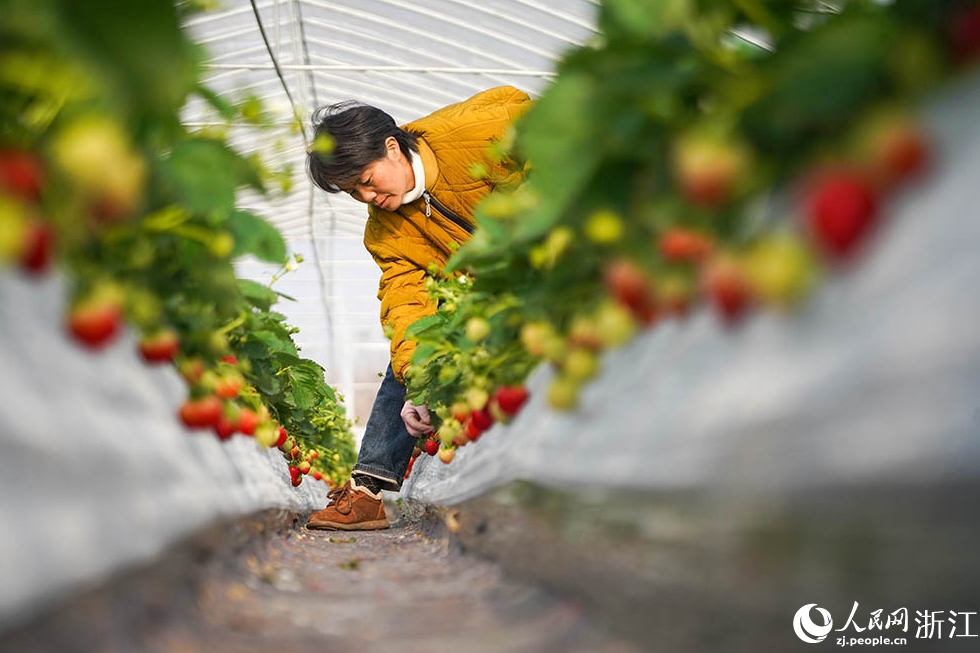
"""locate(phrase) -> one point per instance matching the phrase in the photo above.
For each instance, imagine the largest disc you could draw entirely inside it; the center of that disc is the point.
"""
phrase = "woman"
(418, 183)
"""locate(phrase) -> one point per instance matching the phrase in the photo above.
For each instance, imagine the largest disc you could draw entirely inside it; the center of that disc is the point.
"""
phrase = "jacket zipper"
(429, 201)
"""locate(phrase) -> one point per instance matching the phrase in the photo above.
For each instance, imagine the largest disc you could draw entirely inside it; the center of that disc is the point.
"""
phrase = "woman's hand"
(416, 419)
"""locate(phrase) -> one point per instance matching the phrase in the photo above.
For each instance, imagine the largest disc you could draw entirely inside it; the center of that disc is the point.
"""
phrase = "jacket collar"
(429, 163)
(418, 171)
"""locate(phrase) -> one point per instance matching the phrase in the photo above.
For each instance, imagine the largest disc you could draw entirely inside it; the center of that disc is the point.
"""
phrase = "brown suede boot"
(351, 508)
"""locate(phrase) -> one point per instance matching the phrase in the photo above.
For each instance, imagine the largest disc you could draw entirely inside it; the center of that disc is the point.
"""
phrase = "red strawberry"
(894, 147)
(191, 369)
(231, 360)
(460, 411)
(224, 428)
(95, 321)
(295, 475)
(160, 346)
(707, 168)
(432, 446)
(681, 244)
(841, 209)
(38, 246)
(471, 431)
(629, 285)
(964, 34)
(281, 440)
(21, 174)
(482, 419)
(511, 398)
(317, 475)
(727, 289)
(203, 412)
(247, 421)
(229, 385)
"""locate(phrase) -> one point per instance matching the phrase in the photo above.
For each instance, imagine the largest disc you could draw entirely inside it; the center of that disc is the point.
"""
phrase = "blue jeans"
(387, 445)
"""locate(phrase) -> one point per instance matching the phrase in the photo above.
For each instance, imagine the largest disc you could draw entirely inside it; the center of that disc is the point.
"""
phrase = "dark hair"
(358, 132)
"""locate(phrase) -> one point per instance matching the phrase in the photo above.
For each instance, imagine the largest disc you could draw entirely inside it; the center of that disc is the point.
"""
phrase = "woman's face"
(384, 181)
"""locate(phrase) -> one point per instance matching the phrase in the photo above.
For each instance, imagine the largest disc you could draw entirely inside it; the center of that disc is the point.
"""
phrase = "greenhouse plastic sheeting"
(96, 469)
(875, 381)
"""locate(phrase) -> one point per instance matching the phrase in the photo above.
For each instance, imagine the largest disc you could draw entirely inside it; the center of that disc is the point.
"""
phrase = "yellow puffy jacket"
(405, 242)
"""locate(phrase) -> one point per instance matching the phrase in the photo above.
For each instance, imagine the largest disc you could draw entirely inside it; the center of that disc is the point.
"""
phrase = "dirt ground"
(268, 584)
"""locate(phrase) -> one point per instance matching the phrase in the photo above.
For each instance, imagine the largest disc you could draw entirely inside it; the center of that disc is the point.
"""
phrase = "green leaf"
(220, 104)
(268, 383)
(253, 235)
(139, 44)
(423, 352)
(201, 174)
(273, 341)
(425, 326)
(259, 296)
(821, 82)
(304, 396)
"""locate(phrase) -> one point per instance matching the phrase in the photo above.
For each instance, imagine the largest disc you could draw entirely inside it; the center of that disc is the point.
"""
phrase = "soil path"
(283, 588)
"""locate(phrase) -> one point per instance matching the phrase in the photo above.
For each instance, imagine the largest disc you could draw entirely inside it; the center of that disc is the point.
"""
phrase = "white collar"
(419, 171)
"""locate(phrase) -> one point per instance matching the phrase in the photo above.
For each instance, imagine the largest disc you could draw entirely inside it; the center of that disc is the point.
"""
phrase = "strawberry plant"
(139, 213)
(697, 154)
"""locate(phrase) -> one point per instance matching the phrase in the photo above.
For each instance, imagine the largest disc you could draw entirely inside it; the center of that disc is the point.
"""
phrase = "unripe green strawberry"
(448, 431)
(97, 156)
(604, 227)
(584, 332)
(546, 254)
(533, 337)
(266, 433)
(15, 218)
(676, 293)
(562, 393)
(477, 329)
(581, 364)
(476, 398)
(447, 454)
(614, 323)
(780, 269)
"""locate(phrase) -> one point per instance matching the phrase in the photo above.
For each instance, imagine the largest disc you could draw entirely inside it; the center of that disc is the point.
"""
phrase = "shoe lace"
(341, 496)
